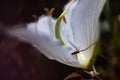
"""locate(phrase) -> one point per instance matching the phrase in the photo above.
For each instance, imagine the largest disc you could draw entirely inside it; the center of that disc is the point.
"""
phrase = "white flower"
(75, 30)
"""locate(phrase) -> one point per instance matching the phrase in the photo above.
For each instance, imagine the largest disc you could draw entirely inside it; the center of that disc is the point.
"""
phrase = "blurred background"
(21, 61)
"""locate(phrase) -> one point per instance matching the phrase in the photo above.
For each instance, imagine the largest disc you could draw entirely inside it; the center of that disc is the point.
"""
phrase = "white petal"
(39, 35)
(50, 47)
(66, 29)
(84, 24)
(84, 21)
(79, 26)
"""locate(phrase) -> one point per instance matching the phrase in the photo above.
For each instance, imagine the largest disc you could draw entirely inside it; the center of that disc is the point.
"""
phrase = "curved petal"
(50, 47)
(81, 28)
(66, 30)
(39, 35)
(84, 21)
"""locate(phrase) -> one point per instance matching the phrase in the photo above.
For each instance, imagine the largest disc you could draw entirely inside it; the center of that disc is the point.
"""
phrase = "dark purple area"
(20, 61)
(16, 11)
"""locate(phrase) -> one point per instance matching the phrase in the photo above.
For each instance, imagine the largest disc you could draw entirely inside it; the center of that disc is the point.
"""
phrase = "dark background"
(21, 61)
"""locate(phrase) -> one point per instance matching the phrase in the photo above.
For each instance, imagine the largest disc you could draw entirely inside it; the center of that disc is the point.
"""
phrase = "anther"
(49, 12)
(78, 51)
(64, 19)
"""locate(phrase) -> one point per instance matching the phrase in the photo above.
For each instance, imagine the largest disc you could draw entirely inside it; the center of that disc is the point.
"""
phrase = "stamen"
(49, 12)
(35, 17)
(58, 21)
(46, 10)
(88, 47)
(64, 19)
(52, 10)
(77, 51)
